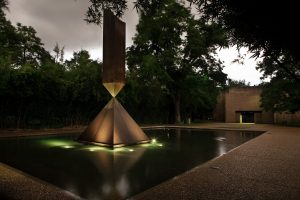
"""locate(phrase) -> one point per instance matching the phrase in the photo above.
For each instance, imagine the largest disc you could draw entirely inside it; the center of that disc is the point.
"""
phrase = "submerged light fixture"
(113, 126)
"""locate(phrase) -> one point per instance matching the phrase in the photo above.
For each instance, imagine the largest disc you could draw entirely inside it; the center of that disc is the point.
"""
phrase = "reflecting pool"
(94, 172)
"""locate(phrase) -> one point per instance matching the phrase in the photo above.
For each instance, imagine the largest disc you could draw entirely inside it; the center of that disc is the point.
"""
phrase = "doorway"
(247, 117)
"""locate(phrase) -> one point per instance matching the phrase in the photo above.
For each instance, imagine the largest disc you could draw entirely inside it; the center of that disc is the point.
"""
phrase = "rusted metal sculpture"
(113, 77)
(113, 126)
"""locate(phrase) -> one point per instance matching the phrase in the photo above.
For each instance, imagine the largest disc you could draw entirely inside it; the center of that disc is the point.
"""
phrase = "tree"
(59, 53)
(30, 47)
(174, 49)
(3, 4)
(282, 92)
(280, 95)
(94, 13)
(37, 90)
(9, 41)
(87, 95)
(8, 47)
(267, 28)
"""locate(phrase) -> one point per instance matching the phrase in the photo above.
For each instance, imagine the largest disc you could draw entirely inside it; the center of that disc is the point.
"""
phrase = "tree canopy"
(267, 28)
(38, 90)
(171, 70)
(3, 4)
(172, 73)
(174, 50)
(261, 24)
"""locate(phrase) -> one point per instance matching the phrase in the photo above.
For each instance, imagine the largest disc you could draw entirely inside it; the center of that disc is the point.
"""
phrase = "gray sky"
(62, 21)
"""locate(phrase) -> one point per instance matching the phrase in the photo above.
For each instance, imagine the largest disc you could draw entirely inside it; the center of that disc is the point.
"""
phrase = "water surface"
(94, 172)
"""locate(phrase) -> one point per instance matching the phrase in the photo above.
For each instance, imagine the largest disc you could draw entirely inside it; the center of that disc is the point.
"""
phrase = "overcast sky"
(61, 21)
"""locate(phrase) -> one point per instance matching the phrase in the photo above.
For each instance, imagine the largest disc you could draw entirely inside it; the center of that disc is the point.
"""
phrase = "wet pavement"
(267, 167)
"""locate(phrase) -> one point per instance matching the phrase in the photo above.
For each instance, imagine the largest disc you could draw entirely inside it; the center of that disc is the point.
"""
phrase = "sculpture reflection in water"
(114, 167)
(113, 126)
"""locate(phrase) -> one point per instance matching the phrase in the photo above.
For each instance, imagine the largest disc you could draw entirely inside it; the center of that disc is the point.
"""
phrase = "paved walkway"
(15, 184)
(267, 167)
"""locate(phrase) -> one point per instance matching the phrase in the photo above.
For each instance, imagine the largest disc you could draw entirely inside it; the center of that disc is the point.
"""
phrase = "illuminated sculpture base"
(113, 127)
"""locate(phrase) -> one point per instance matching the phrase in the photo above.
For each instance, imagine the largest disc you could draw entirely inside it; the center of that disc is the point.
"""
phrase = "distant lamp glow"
(131, 150)
(160, 145)
(67, 147)
(153, 140)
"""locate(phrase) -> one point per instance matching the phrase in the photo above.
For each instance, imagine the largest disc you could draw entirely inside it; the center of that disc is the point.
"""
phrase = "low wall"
(287, 118)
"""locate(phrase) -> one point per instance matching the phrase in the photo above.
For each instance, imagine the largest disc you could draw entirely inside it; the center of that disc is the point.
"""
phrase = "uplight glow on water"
(94, 172)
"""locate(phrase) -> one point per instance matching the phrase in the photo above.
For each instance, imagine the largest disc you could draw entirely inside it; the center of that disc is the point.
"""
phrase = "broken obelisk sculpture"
(113, 126)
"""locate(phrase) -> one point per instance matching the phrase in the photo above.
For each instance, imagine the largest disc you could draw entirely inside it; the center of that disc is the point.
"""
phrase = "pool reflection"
(113, 168)
(94, 172)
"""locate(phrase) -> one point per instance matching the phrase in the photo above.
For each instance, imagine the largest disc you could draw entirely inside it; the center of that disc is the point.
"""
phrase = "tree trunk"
(176, 100)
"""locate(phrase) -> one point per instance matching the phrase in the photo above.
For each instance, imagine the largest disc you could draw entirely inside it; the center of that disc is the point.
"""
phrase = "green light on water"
(97, 148)
(58, 143)
(153, 140)
(122, 149)
(67, 147)
(119, 149)
(152, 144)
(70, 144)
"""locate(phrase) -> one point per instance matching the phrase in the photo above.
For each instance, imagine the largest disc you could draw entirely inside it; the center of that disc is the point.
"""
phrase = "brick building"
(241, 105)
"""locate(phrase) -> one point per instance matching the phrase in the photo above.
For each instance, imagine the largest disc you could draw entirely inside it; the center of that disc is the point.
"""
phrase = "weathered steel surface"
(113, 126)
(113, 49)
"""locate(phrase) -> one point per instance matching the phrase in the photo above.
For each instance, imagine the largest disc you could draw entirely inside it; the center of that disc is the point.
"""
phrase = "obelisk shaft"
(113, 75)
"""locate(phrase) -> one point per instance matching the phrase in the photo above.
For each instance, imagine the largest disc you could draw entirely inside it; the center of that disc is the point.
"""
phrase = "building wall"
(241, 99)
(219, 111)
(233, 102)
(287, 118)
(238, 99)
(267, 117)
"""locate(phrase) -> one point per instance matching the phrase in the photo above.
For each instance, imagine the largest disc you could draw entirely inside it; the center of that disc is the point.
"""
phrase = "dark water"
(99, 173)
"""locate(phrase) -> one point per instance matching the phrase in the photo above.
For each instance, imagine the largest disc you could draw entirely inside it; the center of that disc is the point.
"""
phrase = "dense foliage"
(38, 89)
(172, 74)
(173, 53)
(49, 94)
(267, 28)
